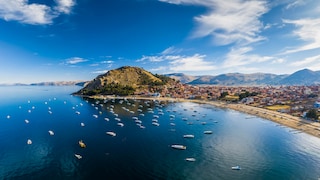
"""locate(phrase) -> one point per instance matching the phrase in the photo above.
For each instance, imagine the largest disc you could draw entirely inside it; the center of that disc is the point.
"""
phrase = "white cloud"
(191, 63)
(309, 61)
(159, 58)
(75, 60)
(307, 31)
(240, 57)
(295, 4)
(229, 22)
(32, 13)
(100, 72)
(171, 50)
(107, 62)
(278, 61)
(64, 6)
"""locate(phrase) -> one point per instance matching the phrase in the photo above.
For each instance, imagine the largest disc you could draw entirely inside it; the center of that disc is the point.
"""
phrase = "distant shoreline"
(299, 124)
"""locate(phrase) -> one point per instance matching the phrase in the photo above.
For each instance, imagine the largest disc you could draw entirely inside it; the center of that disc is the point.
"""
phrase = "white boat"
(207, 132)
(82, 124)
(138, 121)
(78, 156)
(188, 136)
(29, 141)
(178, 146)
(27, 121)
(155, 124)
(111, 133)
(51, 133)
(120, 124)
(142, 127)
(95, 116)
(107, 119)
(236, 168)
(190, 159)
(117, 119)
(77, 112)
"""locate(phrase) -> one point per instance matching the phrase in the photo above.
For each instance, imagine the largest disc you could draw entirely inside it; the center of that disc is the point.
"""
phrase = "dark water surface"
(263, 149)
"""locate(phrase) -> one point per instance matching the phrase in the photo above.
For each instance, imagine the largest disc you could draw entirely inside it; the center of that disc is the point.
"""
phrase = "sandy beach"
(297, 123)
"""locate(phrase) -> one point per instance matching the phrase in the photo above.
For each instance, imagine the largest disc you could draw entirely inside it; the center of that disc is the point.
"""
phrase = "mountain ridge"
(301, 77)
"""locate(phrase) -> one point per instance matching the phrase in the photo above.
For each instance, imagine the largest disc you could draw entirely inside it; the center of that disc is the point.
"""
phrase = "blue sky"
(54, 40)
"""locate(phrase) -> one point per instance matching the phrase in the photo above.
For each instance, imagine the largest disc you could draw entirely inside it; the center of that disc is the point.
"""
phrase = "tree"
(223, 95)
(312, 113)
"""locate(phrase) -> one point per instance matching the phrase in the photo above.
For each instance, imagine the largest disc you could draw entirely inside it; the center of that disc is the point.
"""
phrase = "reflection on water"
(263, 149)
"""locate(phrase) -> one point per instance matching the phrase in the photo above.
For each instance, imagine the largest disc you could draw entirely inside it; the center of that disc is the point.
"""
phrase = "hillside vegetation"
(127, 81)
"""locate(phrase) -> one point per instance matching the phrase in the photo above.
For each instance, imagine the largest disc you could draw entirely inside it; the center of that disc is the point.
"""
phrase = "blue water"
(263, 149)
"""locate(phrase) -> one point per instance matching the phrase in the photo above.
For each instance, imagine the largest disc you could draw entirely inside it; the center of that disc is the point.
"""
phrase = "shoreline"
(297, 123)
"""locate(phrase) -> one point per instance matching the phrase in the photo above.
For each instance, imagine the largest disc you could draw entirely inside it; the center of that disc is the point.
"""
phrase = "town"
(293, 100)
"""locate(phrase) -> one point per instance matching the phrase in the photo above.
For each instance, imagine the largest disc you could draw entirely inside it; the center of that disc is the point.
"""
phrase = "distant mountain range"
(302, 77)
(299, 78)
(54, 83)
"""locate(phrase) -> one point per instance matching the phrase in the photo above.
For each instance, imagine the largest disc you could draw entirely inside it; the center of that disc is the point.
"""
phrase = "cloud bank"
(33, 13)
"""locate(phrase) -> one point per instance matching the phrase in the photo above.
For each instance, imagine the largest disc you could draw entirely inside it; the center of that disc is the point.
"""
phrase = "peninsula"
(136, 83)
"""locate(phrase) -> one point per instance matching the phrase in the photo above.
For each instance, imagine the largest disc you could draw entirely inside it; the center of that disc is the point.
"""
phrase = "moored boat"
(190, 159)
(51, 132)
(78, 156)
(29, 141)
(178, 146)
(188, 136)
(207, 132)
(155, 124)
(236, 168)
(120, 124)
(82, 144)
(111, 133)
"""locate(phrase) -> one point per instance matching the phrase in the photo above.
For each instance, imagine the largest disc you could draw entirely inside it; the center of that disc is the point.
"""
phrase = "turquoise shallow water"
(263, 149)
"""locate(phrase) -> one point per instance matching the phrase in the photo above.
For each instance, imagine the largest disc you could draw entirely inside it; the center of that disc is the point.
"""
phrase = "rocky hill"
(127, 80)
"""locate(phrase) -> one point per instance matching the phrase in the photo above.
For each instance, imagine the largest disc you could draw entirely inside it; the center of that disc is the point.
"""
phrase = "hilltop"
(127, 80)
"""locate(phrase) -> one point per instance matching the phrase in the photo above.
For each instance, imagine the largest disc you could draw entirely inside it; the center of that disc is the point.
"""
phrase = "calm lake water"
(263, 149)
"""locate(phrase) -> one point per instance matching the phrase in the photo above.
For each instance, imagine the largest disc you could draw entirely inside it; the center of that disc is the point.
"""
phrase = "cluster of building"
(295, 100)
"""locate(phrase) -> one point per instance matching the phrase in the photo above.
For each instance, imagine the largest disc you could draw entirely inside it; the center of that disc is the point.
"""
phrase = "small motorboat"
(29, 141)
(207, 132)
(82, 124)
(51, 133)
(27, 121)
(111, 133)
(82, 144)
(178, 146)
(120, 124)
(236, 168)
(78, 156)
(188, 136)
(155, 124)
(190, 159)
